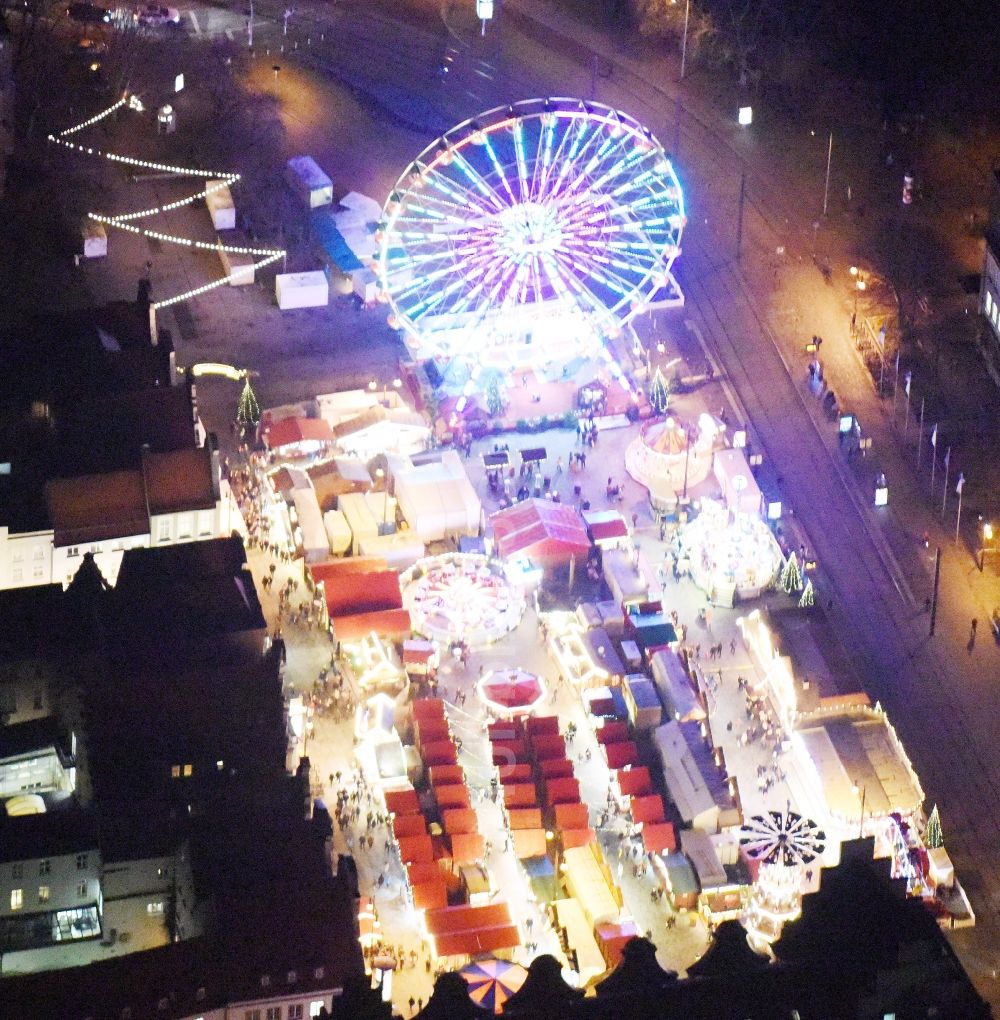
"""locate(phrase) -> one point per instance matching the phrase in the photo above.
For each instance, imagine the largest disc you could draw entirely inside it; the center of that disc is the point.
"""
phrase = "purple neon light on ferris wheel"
(544, 204)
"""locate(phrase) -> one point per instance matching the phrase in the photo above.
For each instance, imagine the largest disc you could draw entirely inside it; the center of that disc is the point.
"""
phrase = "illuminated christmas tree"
(248, 410)
(933, 837)
(659, 398)
(791, 576)
(808, 596)
(494, 398)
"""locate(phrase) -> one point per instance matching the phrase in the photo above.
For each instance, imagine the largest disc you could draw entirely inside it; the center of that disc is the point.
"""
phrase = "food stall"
(679, 697)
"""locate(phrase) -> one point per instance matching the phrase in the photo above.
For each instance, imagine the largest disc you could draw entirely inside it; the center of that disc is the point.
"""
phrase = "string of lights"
(157, 305)
(154, 210)
(183, 241)
(122, 221)
(96, 119)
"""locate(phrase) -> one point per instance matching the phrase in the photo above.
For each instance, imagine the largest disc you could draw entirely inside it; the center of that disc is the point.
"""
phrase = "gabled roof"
(289, 431)
(179, 480)
(541, 528)
(93, 508)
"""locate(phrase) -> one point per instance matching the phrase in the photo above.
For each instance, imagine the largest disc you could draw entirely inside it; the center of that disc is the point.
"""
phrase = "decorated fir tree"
(933, 837)
(494, 398)
(659, 398)
(808, 596)
(248, 410)
(791, 575)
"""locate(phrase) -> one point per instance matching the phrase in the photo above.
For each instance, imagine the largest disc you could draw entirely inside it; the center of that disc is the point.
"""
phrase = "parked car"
(89, 14)
(156, 14)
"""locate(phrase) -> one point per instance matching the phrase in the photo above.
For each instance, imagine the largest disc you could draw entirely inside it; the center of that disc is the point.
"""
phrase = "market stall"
(541, 531)
(740, 491)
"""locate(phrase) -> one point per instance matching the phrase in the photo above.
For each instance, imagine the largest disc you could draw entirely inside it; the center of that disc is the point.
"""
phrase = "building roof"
(179, 480)
(28, 615)
(859, 751)
(540, 528)
(47, 835)
(291, 431)
(93, 508)
(34, 735)
(188, 591)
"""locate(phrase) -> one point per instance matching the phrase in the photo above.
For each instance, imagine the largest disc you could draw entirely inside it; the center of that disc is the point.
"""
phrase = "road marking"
(194, 21)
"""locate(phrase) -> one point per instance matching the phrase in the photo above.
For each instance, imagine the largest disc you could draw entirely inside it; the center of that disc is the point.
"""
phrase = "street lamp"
(986, 540)
(689, 434)
(859, 285)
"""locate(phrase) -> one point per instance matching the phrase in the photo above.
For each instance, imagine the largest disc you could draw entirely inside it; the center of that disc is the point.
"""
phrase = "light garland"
(96, 119)
(157, 305)
(266, 256)
(145, 164)
(170, 206)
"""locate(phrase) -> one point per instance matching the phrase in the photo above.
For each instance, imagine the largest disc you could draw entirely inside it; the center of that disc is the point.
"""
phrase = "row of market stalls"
(550, 832)
(846, 754)
(441, 849)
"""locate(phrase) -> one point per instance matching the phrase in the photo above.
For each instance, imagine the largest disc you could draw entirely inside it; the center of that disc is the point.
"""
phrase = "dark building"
(187, 702)
(989, 294)
(861, 950)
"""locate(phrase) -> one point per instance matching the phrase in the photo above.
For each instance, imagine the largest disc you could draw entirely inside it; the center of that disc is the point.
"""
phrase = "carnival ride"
(461, 597)
(531, 233)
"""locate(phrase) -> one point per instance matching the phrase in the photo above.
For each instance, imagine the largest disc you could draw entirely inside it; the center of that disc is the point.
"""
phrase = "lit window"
(154, 908)
(315, 1006)
(81, 890)
(43, 894)
(161, 872)
(81, 862)
(44, 867)
(175, 771)
(220, 765)
(16, 899)
(188, 769)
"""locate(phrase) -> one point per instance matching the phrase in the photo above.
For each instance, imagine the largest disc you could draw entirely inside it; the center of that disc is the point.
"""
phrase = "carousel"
(730, 555)
(461, 598)
(779, 846)
(510, 692)
(669, 456)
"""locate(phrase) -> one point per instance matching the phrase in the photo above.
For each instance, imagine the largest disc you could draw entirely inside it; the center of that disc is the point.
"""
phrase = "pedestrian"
(975, 624)
(732, 647)
(635, 521)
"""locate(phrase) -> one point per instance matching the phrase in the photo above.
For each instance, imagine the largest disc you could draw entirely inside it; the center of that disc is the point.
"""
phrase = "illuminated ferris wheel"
(546, 212)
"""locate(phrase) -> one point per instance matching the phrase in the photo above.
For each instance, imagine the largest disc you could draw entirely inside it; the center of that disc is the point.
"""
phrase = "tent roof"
(658, 837)
(289, 431)
(540, 528)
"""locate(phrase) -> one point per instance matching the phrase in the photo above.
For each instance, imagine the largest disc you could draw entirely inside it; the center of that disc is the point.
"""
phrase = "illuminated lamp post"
(690, 433)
